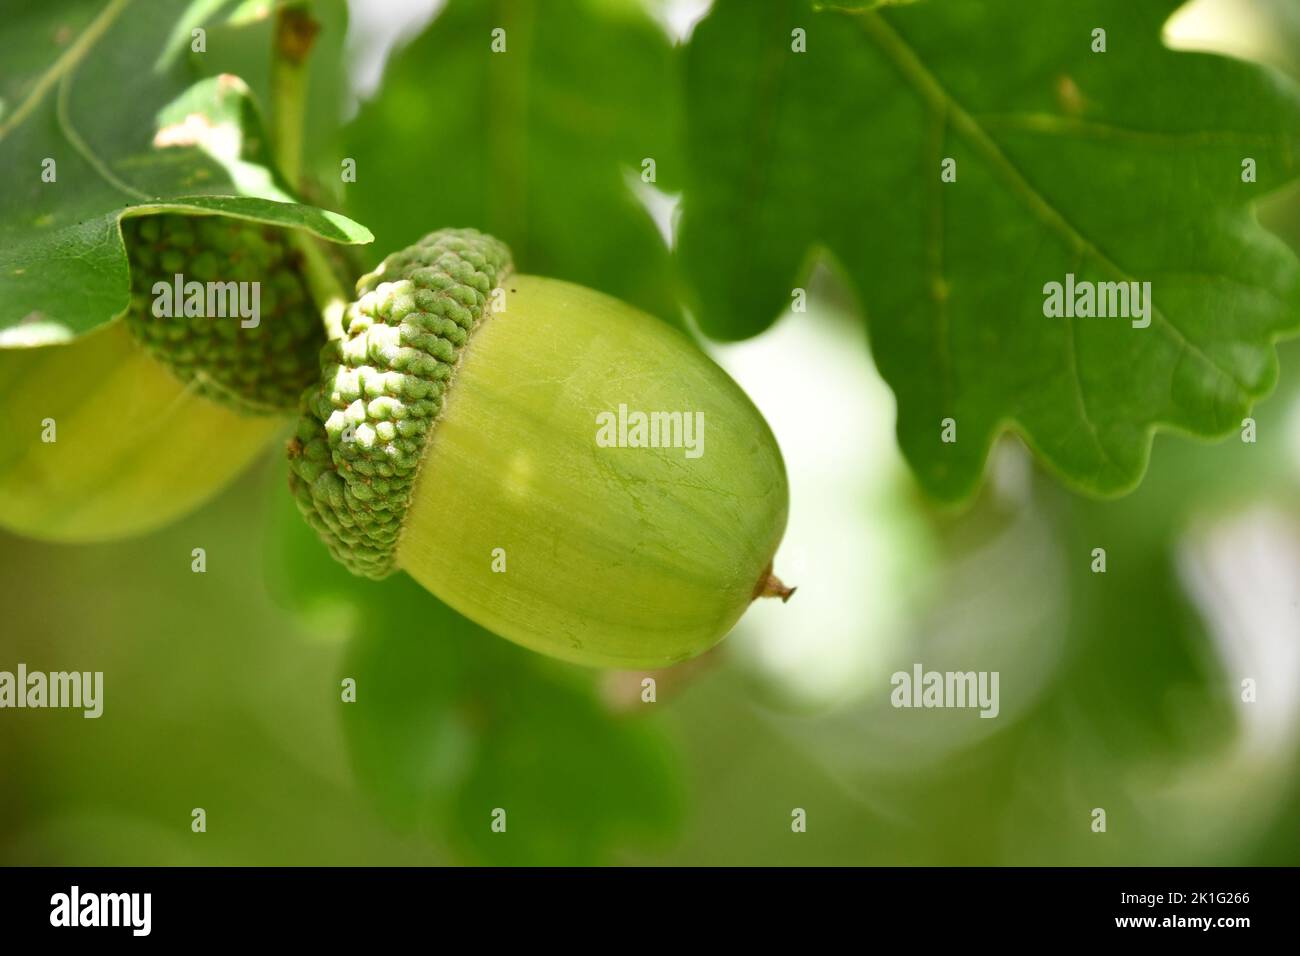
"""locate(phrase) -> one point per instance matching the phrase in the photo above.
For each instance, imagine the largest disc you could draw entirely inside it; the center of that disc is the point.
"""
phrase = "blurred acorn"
(129, 427)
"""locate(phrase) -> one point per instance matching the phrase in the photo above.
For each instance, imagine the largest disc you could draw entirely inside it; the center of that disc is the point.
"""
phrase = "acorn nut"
(122, 430)
(534, 453)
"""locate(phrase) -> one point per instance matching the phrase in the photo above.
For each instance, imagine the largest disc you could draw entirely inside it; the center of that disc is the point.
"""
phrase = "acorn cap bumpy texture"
(383, 383)
(261, 369)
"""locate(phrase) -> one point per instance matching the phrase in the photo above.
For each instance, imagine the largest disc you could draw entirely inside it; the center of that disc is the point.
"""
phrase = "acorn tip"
(772, 586)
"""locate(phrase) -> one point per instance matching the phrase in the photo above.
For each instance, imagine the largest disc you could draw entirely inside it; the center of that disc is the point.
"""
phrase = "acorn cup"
(559, 467)
(139, 422)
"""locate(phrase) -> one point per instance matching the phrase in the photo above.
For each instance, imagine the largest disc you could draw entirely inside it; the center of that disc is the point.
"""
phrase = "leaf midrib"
(942, 103)
(72, 56)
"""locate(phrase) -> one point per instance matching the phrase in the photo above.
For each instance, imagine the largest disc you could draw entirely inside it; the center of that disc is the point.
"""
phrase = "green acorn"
(554, 464)
(128, 428)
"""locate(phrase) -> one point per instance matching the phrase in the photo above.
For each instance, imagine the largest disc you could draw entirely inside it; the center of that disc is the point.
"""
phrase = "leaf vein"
(927, 85)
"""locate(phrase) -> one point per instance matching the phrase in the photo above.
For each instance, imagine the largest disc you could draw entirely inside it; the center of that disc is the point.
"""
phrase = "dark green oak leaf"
(1115, 166)
(128, 132)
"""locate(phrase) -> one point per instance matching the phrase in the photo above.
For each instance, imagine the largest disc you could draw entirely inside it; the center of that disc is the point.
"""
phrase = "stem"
(295, 32)
(323, 283)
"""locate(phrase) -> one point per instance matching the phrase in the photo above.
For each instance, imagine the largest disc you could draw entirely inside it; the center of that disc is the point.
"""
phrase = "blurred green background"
(1120, 691)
